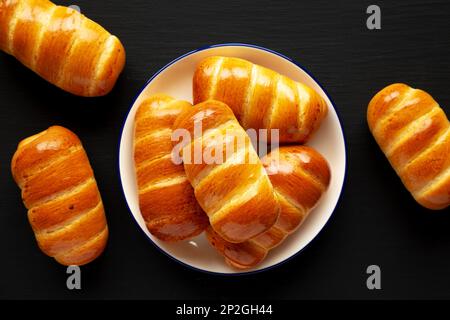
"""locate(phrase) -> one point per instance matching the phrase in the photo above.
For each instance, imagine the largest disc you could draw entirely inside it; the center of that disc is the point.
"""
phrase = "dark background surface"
(376, 221)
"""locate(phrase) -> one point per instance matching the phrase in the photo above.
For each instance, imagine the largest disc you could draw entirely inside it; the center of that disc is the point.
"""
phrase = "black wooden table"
(376, 220)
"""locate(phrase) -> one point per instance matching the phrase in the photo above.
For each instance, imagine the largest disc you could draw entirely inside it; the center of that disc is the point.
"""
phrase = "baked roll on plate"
(166, 198)
(260, 98)
(176, 80)
(300, 176)
(233, 188)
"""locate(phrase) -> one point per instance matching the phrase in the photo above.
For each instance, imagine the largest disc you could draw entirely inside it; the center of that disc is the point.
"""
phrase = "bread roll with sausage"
(166, 197)
(59, 190)
(414, 134)
(61, 45)
(300, 176)
(260, 98)
(229, 180)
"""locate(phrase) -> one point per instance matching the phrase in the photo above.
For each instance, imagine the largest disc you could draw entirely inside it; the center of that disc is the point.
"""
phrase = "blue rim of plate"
(236, 44)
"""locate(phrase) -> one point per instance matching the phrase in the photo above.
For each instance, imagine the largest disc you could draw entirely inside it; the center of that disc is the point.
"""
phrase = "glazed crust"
(234, 190)
(61, 45)
(414, 134)
(59, 190)
(260, 98)
(300, 176)
(166, 198)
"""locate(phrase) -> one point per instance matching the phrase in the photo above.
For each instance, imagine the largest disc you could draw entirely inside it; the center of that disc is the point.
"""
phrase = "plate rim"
(231, 44)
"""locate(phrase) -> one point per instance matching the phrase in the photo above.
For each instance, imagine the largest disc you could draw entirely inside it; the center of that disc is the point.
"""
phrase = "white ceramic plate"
(175, 79)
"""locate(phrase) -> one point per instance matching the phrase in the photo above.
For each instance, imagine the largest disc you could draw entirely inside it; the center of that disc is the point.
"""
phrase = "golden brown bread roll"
(61, 45)
(234, 191)
(414, 134)
(166, 197)
(59, 190)
(260, 98)
(299, 175)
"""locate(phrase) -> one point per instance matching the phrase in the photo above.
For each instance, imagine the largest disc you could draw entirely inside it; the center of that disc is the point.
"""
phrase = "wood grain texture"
(376, 222)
